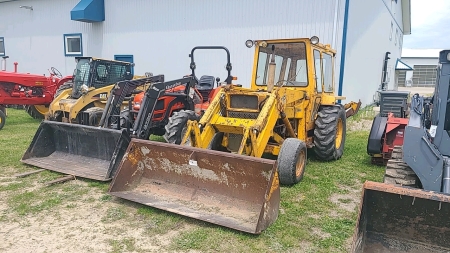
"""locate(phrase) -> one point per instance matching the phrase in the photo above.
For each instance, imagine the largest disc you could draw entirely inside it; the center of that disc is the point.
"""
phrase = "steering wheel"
(56, 72)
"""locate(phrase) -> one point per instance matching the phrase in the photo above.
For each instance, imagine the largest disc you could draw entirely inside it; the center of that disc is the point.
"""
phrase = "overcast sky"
(430, 22)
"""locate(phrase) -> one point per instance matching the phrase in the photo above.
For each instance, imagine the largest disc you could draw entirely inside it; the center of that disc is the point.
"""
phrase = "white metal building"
(419, 68)
(159, 35)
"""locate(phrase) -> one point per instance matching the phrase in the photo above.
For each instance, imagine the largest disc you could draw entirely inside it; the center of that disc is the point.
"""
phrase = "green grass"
(317, 215)
(126, 244)
(15, 137)
(366, 112)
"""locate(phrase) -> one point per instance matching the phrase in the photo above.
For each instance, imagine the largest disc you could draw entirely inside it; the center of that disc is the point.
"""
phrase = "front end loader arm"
(193, 127)
(255, 132)
(142, 125)
(352, 108)
(261, 132)
(118, 95)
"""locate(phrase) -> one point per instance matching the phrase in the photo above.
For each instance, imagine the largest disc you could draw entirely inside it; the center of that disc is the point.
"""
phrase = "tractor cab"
(303, 64)
(93, 73)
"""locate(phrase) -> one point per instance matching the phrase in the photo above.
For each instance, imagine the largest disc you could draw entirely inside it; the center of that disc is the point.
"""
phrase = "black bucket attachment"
(401, 219)
(79, 150)
(230, 190)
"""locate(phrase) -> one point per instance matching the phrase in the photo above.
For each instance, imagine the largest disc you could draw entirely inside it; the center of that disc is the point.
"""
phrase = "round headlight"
(448, 56)
(249, 43)
(314, 40)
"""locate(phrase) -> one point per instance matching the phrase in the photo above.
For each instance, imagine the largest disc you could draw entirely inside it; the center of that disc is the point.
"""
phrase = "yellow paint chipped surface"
(134, 156)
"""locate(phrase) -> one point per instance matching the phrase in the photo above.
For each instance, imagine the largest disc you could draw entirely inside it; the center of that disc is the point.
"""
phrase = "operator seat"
(205, 85)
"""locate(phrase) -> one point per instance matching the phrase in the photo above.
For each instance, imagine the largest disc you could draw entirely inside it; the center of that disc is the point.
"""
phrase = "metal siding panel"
(339, 37)
(162, 42)
(368, 41)
(161, 33)
(35, 38)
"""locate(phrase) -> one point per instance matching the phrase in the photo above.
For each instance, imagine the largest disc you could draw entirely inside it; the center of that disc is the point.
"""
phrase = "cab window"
(290, 59)
(318, 70)
(327, 72)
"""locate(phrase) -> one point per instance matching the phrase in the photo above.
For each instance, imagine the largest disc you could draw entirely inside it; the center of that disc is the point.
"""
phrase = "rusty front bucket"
(79, 150)
(401, 219)
(235, 191)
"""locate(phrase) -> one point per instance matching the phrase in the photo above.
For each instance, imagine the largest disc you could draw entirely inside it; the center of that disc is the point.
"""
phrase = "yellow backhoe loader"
(218, 174)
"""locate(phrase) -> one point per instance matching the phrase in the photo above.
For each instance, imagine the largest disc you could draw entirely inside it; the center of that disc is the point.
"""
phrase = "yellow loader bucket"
(79, 150)
(401, 219)
(230, 190)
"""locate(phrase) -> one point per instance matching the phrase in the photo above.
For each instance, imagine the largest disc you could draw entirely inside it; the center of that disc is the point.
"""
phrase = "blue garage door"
(127, 58)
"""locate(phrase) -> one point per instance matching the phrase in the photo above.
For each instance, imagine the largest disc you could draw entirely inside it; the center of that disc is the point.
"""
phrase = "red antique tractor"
(35, 92)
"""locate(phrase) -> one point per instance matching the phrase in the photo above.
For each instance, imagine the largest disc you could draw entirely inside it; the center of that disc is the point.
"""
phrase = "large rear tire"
(2, 119)
(125, 119)
(398, 172)
(329, 133)
(63, 87)
(177, 126)
(36, 111)
(292, 161)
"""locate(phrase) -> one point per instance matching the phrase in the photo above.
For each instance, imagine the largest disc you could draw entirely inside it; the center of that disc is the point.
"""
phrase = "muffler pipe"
(4, 62)
(271, 76)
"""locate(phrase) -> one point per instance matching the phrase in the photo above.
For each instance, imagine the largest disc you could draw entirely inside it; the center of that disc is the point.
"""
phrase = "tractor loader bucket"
(235, 191)
(401, 219)
(79, 150)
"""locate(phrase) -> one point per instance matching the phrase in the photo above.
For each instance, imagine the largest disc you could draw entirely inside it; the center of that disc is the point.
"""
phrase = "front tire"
(36, 111)
(292, 161)
(216, 143)
(2, 119)
(125, 119)
(329, 133)
(177, 126)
